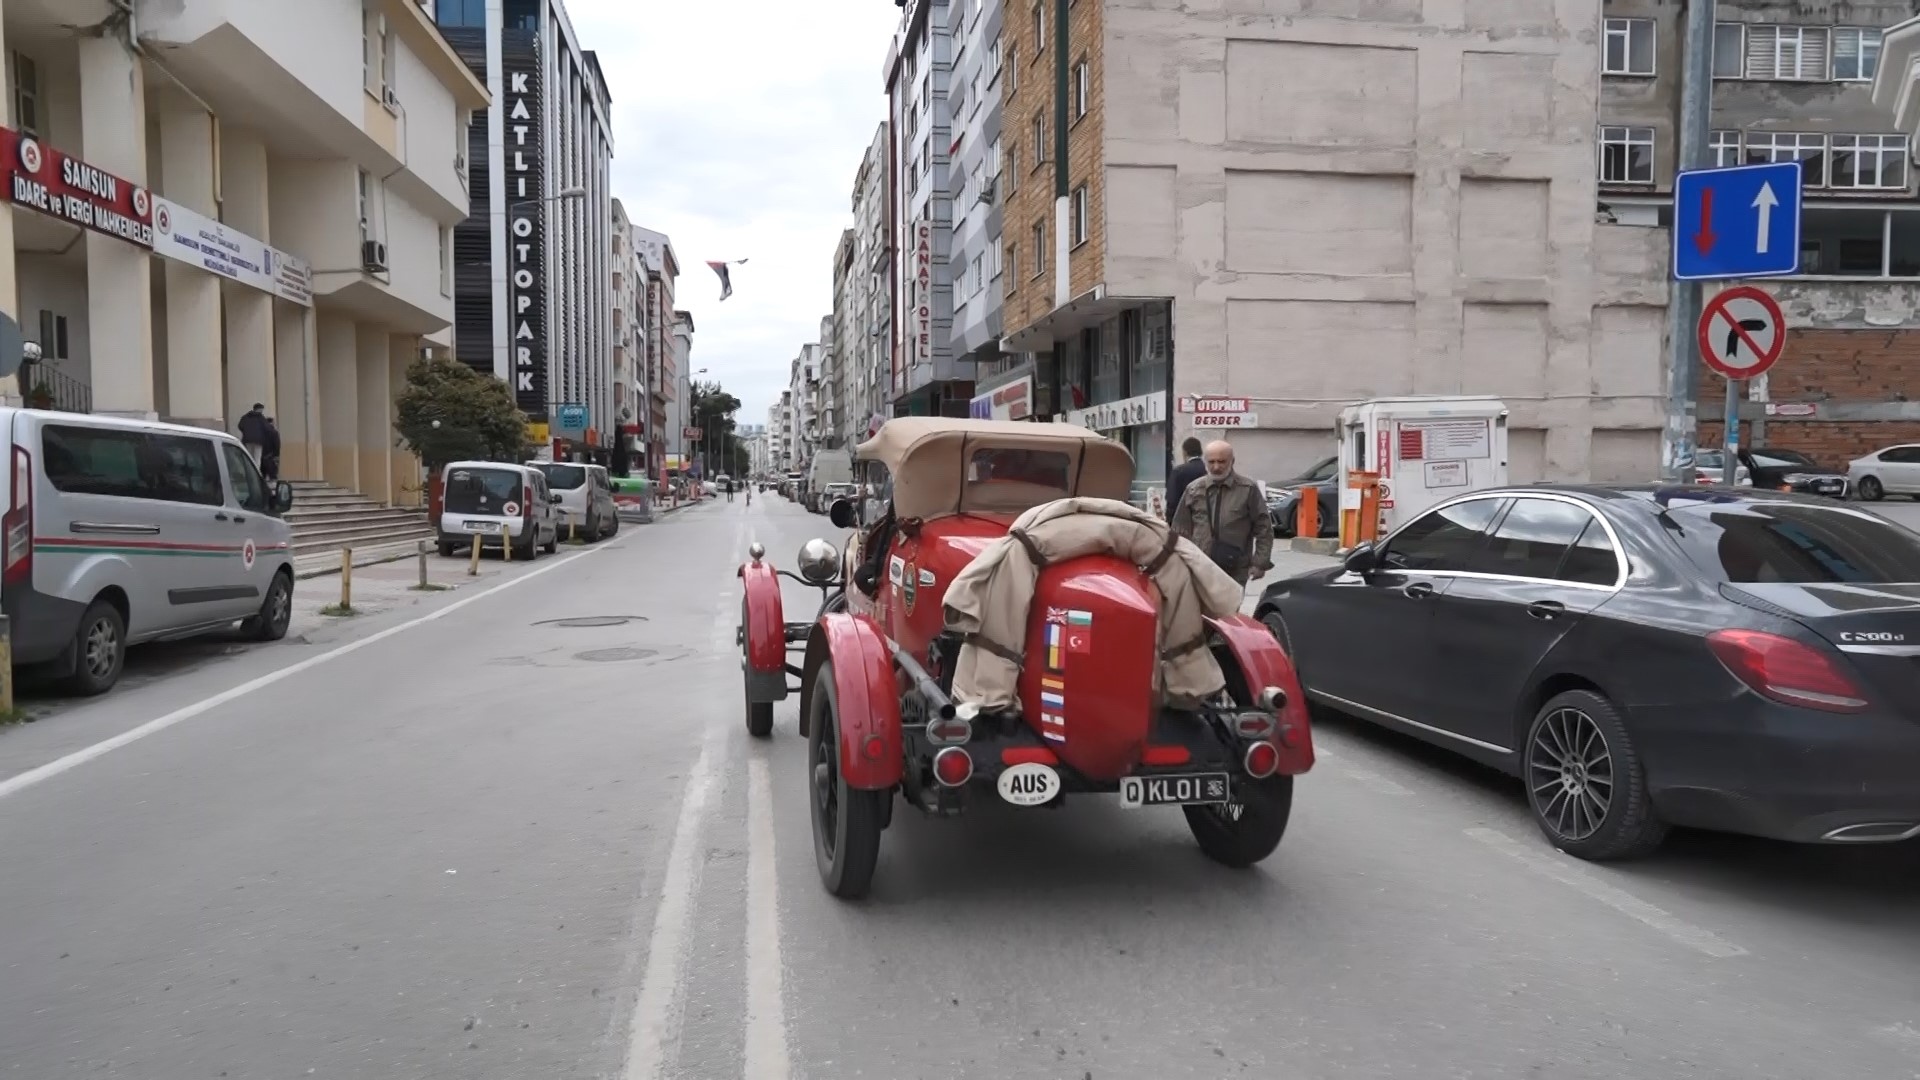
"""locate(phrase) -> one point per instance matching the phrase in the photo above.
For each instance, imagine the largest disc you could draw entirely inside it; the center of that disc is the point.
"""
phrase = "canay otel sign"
(59, 185)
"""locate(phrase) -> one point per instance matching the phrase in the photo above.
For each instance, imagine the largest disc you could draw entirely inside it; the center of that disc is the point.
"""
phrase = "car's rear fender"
(1262, 663)
(764, 629)
(868, 695)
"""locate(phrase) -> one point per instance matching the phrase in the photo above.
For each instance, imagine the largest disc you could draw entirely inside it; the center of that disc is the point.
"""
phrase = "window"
(1012, 171)
(1796, 53)
(1856, 53)
(446, 261)
(1724, 147)
(389, 66)
(1039, 248)
(1039, 30)
(1535, 538)
(1443, 539)
(366, 205)
(1788, 542)
(993, 262)
(26, 95)
(1862, 162)
(462, 13)
(1626, 155)
(1079, 215)
(185, 470)
(1081, 89)
(993, 60)
(249, 489)
(1039, 141)
(1808, 148)
(1629, 47)
(1013, 261)
(132, 464)
(1729, 50)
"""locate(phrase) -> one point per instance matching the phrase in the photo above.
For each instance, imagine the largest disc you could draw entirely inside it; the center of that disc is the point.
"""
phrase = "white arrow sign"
(1764, 202)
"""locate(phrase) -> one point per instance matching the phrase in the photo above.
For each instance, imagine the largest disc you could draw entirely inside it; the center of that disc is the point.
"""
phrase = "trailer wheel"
(1247, 830)
(846, 821)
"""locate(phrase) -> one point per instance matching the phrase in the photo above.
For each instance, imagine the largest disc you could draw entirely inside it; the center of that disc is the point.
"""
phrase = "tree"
(449, 412)
(712, 413)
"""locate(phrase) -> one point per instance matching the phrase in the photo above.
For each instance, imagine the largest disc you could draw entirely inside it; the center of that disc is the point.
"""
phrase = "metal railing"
(50, 388)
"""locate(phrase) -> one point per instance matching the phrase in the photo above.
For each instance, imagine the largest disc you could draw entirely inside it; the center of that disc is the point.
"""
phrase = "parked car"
(498, 503)
(1283, 499)
(1892, 471)
(1742, 660)
(586, 497)
(1710, 465)
(98, 516)
(1791, 470)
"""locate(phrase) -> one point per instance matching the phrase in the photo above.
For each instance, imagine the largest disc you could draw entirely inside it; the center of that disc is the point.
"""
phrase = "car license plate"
(1179, 790)
(482, 526)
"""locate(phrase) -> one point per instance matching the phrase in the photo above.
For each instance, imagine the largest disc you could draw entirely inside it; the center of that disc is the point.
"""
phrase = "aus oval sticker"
(1029, 784)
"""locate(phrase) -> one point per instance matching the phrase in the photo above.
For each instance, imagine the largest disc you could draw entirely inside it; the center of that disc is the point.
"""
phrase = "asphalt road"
(486, 846)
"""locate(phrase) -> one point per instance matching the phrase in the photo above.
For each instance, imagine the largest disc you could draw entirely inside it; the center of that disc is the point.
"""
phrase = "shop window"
(522, 14)
(1151, 343)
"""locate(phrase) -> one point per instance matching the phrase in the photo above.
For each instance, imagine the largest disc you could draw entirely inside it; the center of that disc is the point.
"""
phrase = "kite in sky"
(726, 280)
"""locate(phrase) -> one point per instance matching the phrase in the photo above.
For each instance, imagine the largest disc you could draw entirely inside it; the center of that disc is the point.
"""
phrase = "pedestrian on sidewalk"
(270, 452)
(1225, 515)
(1184, 474)
(253, 431)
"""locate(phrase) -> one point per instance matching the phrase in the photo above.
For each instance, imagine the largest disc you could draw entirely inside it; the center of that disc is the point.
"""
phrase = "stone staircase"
(327, 518)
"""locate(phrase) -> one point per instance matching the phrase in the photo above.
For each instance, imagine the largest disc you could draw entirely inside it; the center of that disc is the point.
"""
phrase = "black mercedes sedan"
(1731, 659)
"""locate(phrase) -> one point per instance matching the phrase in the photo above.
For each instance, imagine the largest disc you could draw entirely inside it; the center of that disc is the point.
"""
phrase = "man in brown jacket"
(1225, 515)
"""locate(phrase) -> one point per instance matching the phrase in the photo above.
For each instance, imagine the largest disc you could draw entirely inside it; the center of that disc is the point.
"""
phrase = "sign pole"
(1732, 439)
(1683, 297)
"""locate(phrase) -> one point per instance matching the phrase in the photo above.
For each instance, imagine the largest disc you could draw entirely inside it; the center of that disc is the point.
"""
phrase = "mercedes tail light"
(1788, 671)
(18, 522)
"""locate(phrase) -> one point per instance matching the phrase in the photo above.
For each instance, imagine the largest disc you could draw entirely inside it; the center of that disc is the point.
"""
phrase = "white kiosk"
(1424, 449)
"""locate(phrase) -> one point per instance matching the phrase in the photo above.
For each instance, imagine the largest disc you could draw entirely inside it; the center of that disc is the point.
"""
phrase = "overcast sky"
(737, 129)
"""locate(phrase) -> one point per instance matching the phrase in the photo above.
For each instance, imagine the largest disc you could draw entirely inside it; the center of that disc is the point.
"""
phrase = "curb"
(371, 560)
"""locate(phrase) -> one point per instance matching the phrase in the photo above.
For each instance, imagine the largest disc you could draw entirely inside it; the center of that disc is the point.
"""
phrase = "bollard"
(1306, 520)
(423, 564)
(473, 567)
(346, 578)
(506, 543)
(6, 666)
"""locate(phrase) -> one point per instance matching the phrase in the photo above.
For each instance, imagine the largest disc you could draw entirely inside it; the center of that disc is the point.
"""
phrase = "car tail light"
(1787, 671)
(949, 732)
(18, 524)
(952, 766)
(526, 502)
(1261, 760)
(1253, 725)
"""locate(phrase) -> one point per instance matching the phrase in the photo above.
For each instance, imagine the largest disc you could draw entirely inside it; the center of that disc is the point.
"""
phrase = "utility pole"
(1683, 297)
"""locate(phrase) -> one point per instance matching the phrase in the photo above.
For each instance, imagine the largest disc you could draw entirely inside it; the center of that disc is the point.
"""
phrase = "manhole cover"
(614, 656)
(589, 622)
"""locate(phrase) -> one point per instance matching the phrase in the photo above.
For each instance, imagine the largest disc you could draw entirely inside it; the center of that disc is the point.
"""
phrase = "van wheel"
(276, 611)
(553, 542)
(446, 550)
(99, 650)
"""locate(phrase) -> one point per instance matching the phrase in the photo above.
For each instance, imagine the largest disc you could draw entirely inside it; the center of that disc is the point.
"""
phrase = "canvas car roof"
(927, 458)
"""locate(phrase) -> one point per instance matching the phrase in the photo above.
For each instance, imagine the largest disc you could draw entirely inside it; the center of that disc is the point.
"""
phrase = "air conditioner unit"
(460, 165)
(373, 256)
(392, 99)
(987, 189)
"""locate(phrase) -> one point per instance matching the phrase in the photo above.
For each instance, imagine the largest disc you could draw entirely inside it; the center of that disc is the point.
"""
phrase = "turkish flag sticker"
(1079, 640)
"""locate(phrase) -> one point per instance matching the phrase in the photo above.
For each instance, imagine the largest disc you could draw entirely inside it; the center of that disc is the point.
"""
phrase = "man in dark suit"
(1184, 473)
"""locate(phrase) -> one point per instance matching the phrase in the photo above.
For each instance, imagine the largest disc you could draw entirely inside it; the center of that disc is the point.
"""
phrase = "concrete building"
(1792, 81)
(803, 392)
(1446, 155)
(680, 356)
(841, 416)
(927, 377)
(533, 269)
(870, 291)
(780, 433)
(216, 204)
(666, 398)
(975, 105)
(630, 396)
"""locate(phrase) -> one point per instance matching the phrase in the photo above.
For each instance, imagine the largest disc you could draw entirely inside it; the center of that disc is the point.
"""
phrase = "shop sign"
(44, 179)
(526, 226)
(1014, 401)
(185, 236)
(923, 292)
(1127, 412)
(1213, 403)
(1215, 420)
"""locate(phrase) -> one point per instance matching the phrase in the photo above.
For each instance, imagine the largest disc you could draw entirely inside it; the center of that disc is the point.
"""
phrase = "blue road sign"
(1742, 222)
(573, 417)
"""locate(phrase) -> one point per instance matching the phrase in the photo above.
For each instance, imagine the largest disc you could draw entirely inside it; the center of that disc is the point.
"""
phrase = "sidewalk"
(383, 586)
(1286, 563)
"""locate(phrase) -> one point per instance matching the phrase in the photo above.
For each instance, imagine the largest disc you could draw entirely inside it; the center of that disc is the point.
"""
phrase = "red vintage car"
(875, 666)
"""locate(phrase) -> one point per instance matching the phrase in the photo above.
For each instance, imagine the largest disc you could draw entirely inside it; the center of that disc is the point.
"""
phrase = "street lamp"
(563, 195)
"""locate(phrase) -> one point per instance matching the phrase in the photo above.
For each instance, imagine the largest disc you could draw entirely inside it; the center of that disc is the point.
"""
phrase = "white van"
(118, 532)
(499, 502)
(586, 497)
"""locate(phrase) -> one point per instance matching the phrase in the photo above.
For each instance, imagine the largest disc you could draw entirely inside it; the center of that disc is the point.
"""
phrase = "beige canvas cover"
(988, 602)
(928, 458)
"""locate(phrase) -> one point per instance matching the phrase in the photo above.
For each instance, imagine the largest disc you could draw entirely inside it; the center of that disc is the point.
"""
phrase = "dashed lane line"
(659, 1009)
(766, 1052)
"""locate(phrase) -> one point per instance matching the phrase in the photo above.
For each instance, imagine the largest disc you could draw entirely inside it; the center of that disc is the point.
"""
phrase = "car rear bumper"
(39, 626)
(1755, 767)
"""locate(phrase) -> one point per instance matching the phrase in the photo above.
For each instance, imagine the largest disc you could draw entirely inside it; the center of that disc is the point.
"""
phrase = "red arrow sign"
(1703, 238)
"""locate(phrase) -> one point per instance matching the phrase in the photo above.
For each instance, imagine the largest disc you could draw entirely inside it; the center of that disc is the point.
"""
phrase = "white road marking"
(657, 1012)
(22, 781)
(766, 1057)
(1558, 869)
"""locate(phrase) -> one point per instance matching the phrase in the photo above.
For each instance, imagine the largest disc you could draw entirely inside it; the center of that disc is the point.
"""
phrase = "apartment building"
(1311, 207)
(974, 104)
(841, 416)
(928, 377)
(184, 242)
(533, 271)
(1792, 81)
(666, 377)
(870, 291)
(680, 408)
(630, 398)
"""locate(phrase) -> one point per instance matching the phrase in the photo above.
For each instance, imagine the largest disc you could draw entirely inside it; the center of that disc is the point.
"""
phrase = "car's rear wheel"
(846, 821)
(1245, 831)
(99, 650)
(1870, 489)
(1585, 784)
(276, 611)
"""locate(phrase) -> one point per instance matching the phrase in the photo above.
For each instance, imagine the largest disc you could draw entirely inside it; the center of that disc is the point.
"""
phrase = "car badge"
(909, 589)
